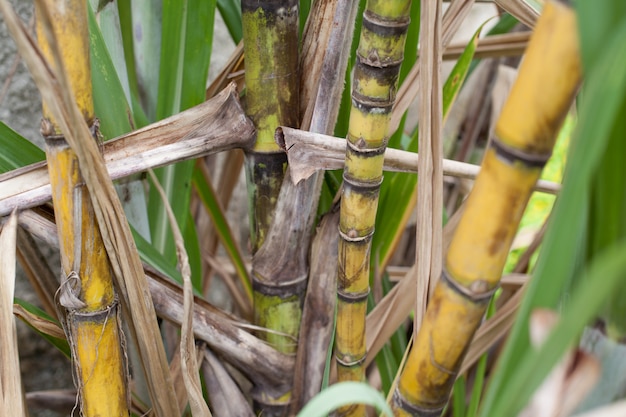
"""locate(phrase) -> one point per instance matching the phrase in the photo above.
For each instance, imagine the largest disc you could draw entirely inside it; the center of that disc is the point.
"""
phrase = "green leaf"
(110, 103)
(16, 150)
(231, 13)
(185, 53)
(152, 257)
(456, 78)
(344, 393)
(192, 246)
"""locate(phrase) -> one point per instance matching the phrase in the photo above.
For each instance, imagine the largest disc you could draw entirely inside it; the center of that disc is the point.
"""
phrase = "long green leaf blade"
(16, 150)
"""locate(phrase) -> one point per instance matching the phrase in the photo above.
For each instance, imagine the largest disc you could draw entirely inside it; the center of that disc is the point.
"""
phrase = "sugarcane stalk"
(525, 134)
(270, 33)
(379, 55)
(92, 323)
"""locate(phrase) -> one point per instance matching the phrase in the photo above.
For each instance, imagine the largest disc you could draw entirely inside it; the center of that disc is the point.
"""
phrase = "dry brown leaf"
(429, 162)
(508, 44)
(188, 360)
(42, 325)
(309, 152)
(36, 268)
(225, 396)
(214, 126)
(11, 395)
(409, 89)
(521, 10)
(316, 328)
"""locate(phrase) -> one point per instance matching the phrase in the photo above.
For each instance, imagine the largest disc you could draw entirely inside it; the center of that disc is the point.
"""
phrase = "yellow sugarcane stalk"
(92, 320)
(379, 55)
(525, 133)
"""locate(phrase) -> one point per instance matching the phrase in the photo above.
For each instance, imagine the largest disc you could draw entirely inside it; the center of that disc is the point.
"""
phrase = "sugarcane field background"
(311, 208)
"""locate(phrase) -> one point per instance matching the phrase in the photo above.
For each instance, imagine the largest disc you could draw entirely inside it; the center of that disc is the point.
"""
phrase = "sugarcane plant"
(92, 313)
(478, 251)
(270, 36)
(271, 352)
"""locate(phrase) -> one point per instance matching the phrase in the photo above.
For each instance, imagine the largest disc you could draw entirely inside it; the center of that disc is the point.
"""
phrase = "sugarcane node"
(367, 105)
(47, 128)
(362, 186)
(478, 292)
(360, 147)
(396, 26)
(402, 403)
(347, 361)
(351, 297)
(385, 78)
(98, 316)
(283, 289)
(353, 235)
(513, 155)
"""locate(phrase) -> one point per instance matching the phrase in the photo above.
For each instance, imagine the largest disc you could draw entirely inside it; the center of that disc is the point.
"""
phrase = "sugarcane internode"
(525, 134)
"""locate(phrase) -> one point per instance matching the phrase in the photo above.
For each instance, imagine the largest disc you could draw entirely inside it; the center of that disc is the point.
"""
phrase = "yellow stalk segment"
(379, 55)
(270, 33)
(92, 320)
(525, 133)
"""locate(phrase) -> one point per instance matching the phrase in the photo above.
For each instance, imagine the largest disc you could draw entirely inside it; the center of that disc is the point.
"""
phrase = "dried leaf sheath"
(92, 321)
(379, 56)
(526, 130)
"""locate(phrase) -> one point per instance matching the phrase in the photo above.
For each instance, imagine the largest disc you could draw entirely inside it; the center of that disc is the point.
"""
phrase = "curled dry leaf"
(40, 324)
(214, 126)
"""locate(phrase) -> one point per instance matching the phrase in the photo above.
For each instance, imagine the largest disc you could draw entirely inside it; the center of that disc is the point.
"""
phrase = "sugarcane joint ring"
(347, 362)
(478, 291)
(372, 105)
(52, 138)
(362, 186)
(284, 289)
(98, 316)
(353, 235)
(512, 155)
(359, 146)
(412, 409)
(352, 297)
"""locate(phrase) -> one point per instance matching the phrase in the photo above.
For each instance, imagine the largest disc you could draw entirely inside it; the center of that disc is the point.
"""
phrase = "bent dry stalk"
(379, 55)
(525, 133)
(92, 322)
